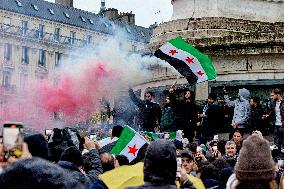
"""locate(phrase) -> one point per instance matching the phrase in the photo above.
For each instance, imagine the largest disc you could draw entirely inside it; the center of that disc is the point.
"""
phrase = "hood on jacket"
(244, 93)
(37, 145)
(160, 163)
(73, 155)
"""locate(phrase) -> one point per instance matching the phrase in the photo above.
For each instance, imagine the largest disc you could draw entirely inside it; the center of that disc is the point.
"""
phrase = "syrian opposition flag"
(188, 61)
(156, 136)
(129, 143)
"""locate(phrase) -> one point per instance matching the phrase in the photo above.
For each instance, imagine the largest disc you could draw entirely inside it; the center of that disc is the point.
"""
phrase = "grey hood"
(244, 93)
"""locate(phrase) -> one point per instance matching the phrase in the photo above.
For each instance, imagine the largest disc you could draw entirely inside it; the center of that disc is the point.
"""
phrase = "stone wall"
(241, 50)
(258, 10)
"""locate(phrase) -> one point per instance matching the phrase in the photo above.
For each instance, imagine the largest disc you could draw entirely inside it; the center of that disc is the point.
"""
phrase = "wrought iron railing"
(44, 37)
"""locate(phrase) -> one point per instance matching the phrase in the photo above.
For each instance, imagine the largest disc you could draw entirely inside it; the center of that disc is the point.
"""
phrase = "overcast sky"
(146, 12)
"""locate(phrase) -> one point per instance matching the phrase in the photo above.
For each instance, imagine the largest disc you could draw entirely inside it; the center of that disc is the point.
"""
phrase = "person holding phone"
(13, 139)
(7, 160)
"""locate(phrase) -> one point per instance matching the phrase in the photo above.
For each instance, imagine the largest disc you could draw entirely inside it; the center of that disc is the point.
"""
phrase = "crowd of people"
(69, 158)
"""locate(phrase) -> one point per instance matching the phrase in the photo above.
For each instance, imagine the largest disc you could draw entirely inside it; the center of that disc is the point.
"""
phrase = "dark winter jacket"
(62, 139)
(37, 173)
(272, 114)
(211, 183)
(37, 145)
(213, 119)
(94, 167)
(185, 112)
(256, 120)
(149, 112)
(75, 172)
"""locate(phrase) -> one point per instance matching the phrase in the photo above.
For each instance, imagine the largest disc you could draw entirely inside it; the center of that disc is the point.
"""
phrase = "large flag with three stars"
(128, 144)
(188, 61)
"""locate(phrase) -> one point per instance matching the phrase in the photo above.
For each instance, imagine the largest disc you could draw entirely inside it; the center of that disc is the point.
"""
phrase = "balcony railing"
(44, 37)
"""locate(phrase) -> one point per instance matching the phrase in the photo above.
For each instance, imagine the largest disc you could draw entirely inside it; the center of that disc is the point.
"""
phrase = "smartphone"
(215, 148)
(93, 137)
(179, 163)
(48, 132)
(13, 139)
(216, 138)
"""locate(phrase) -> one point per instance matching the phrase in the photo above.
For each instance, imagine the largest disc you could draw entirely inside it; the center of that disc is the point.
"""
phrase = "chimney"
(111, 13)
(68, 3)
(103, 6)
(128, 17)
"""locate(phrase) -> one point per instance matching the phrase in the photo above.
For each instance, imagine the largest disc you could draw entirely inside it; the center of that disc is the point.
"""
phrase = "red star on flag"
(173, 52)
(132, 150)
(200, 73)
(189, 60)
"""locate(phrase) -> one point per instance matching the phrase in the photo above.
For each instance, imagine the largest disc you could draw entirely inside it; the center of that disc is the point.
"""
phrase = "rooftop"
(75, 17)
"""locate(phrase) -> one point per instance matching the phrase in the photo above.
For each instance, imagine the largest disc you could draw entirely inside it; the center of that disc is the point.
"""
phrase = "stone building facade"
(38, 37)
(244, 39)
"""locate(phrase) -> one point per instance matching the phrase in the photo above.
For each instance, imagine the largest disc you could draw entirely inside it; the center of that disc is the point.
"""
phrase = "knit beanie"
(255, 161)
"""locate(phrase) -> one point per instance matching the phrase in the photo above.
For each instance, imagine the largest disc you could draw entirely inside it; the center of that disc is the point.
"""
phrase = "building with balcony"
(38, 37)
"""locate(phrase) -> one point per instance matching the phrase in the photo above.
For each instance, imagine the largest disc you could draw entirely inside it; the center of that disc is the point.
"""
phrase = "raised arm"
(159, 113)
(137, 101)
(227, 100)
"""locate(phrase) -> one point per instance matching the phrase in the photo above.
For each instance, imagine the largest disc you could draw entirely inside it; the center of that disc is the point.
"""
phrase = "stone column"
(202, 91)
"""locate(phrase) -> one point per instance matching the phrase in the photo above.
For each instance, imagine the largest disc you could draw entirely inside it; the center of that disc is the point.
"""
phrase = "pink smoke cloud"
(76, 97)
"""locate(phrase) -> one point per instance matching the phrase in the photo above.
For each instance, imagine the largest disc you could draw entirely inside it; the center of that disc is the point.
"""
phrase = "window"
(106, 25)
(41, 58)
(51, 11)
(56, 34)
(7, 23)
(89, 39)
(40, 31)
(66, 15)
(91, 21)
(23, 80)
(83, 19)
(24, 27)
(6, 81)
(128, 29)
(57, 59)
(134, 48)
(35, 7)
(19, 3)
(25, 55)
(72, 37)
(7, 51)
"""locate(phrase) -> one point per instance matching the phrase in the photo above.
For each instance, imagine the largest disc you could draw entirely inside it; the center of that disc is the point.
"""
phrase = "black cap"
(186, 153)
(178, 144)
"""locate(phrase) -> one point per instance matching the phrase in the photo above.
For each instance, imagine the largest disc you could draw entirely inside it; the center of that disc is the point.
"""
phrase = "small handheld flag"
(129, 143)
